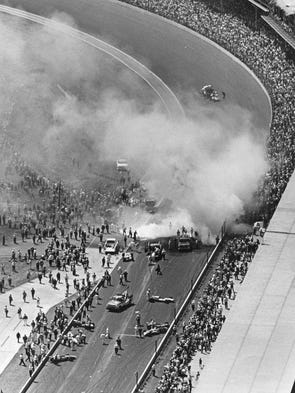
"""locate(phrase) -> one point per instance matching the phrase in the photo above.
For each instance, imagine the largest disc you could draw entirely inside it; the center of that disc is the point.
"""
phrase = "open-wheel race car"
(154, 328)
(210, 93)
(86, 325)
(160, 299)
(127, 256)
(120, 301)
(62, 358)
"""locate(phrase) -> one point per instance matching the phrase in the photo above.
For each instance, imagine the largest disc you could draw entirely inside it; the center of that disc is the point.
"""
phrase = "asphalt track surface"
(181, 59)
(97, 367)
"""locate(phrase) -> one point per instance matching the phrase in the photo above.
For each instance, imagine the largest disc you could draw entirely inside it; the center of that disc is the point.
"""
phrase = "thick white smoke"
(61, 100)
(208, 167)
(287, 5)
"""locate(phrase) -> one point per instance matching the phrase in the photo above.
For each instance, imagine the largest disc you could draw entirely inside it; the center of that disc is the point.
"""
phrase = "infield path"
(180, 57)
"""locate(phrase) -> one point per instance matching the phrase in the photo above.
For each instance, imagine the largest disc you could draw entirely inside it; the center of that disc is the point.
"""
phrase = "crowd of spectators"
(33, 202)
(44, 332)
(202, 328)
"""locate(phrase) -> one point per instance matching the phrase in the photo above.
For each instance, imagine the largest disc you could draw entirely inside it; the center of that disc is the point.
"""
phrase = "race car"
(62, 358)
(119, 302)
(85, 325)
(127, 256)
(159, 299)
(210, 93)
(155, 328)
(111, 246)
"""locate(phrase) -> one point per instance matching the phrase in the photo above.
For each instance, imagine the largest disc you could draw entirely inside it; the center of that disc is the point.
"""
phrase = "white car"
(122, 165)
(111, 246)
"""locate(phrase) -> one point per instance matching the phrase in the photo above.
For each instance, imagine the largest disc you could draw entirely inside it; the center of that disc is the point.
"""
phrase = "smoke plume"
(287, 5)
(62, 101)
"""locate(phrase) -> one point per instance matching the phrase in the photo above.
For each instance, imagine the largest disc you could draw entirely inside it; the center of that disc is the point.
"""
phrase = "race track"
(97, 368)
(181, 59)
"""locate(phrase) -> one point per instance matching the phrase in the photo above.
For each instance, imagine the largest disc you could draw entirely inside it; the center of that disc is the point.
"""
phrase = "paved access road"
(181, 59)
(97, 368)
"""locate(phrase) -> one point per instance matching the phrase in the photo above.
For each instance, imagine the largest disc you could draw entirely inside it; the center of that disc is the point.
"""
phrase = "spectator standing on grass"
(25, 319)
(24, 296)
(13, 266)
(19, 312)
